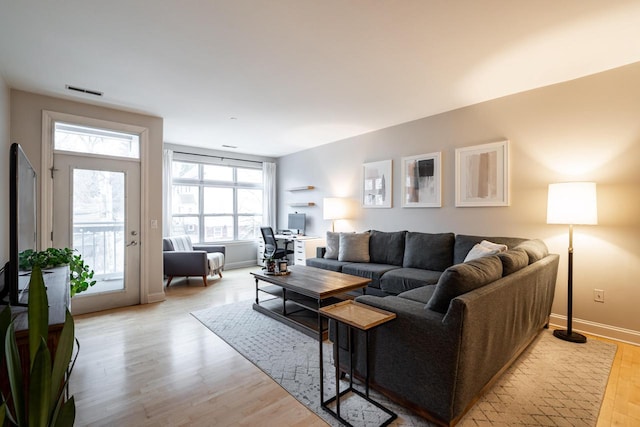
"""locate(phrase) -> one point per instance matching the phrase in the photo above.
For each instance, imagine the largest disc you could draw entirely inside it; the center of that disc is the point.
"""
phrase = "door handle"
(132, 243)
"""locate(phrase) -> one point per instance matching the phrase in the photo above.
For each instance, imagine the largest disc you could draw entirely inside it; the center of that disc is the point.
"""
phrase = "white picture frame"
(377, 184)
(422, 181)
(482, 175)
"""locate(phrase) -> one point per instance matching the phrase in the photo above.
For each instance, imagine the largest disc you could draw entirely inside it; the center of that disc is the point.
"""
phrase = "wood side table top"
(358, 315)
(314, 282)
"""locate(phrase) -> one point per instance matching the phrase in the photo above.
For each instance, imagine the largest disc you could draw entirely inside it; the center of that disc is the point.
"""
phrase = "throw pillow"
(536, 249)
(513, 260)
(484, 248)
(479, 251)
(462, 278)
(494, 246)
(333, 244)
(354, 247)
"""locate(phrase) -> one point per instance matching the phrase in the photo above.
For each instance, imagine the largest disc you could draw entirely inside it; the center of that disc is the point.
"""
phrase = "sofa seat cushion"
(462, 278)
(326, 264)
(422, 294)
(387, 248)
(368, 270)
(428, 251)
(397, 281)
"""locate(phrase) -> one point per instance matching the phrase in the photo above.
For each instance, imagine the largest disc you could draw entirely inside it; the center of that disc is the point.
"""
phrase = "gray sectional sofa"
(459, 324)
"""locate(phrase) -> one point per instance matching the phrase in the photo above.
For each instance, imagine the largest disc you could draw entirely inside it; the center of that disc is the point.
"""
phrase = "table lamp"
(572, 203)
(334, 208)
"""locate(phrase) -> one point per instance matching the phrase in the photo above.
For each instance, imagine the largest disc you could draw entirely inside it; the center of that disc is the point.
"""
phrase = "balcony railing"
(102, 246)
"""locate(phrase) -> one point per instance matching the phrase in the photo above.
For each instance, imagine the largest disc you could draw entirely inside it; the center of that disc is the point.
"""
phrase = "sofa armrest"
(320, 251)
(185, 263)
(211, 248)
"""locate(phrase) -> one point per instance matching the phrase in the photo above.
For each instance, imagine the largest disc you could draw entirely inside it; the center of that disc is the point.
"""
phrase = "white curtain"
(167, 162)
(269, 198)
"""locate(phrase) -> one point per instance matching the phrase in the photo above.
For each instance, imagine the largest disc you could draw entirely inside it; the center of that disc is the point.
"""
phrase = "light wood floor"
(157, 365)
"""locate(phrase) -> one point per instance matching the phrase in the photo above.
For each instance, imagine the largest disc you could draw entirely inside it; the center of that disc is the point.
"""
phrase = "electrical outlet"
(598, 295)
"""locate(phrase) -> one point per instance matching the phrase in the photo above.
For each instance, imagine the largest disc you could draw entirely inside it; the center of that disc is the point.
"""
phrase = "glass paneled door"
(96, 211)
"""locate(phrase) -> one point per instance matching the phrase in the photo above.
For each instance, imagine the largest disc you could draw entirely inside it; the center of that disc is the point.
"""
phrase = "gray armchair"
(182, 258)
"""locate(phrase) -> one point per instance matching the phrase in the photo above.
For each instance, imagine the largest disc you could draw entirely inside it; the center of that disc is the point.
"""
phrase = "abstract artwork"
(421, 186)
(377, 184)
(482, 175)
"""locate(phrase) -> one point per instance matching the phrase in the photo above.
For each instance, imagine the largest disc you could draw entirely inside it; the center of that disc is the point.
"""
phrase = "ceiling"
(273, 77)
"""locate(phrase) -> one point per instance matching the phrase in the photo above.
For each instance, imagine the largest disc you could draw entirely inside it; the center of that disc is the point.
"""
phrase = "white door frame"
(46, 182)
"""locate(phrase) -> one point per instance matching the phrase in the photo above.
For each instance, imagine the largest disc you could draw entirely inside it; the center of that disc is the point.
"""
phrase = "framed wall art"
(422, 181)
(377, 184)
(482, 175)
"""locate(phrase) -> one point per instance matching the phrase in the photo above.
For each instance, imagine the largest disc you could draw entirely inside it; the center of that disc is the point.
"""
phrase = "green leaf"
(38, 312)
(14, 371)
(40, 387)
(62, 357)
(3, 411)
(67, 415)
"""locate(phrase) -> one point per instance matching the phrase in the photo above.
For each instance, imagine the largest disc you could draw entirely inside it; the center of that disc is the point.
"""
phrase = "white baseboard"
(597, 329)
(156, 297)
(241, 264)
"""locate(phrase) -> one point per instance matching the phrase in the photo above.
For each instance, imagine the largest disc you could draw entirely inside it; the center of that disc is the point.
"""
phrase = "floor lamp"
(572, 203)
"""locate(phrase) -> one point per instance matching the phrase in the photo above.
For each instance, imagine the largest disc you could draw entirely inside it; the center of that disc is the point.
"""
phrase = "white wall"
(26, 129)
(586, 129)
(5, 143)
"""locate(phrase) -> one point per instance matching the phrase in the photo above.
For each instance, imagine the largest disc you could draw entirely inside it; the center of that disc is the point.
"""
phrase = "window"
(216, 202)
(90, 140)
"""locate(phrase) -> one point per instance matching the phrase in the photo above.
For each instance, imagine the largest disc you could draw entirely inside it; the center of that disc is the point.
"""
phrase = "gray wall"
(585, 129)
(5, 143)
(26, 129)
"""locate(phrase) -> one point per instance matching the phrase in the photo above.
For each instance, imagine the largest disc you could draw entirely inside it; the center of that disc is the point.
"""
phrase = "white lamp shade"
(335, 208)
(572, 203)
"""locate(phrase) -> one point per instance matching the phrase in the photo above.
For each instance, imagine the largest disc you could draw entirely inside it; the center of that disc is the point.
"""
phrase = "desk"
(303, 247)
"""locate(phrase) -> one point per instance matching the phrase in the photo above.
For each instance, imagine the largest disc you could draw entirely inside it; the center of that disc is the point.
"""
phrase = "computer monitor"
(297, 222)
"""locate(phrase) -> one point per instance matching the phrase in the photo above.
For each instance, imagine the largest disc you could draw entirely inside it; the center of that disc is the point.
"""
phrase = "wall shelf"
(303, 204)
(303, 188)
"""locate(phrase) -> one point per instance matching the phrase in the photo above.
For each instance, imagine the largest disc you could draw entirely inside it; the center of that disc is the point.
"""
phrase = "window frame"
(201, 183)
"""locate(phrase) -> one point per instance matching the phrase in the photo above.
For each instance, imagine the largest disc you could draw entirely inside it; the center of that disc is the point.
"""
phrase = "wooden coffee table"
(299, 296)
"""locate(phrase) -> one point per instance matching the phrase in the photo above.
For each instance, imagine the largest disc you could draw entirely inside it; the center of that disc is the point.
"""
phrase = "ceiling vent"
(229, 146)
(82, 90)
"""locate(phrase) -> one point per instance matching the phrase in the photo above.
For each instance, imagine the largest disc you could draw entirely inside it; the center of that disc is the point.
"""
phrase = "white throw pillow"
(495, 246)
(484, 248)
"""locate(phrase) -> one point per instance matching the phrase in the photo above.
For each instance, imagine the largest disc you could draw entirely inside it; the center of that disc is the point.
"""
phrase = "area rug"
(553, 383)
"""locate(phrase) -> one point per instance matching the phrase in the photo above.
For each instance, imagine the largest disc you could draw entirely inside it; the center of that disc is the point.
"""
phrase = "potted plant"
(81, 275)
(43, 404)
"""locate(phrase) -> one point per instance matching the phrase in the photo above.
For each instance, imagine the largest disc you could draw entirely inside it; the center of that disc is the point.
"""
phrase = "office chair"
(271, 249)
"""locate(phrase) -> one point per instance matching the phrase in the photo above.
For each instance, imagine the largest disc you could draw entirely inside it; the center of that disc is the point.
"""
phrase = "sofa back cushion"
(462, 278)
(428, 251)
(387, 248)
(535, 248)
(354, 247)
(513, 260)
(464, 243)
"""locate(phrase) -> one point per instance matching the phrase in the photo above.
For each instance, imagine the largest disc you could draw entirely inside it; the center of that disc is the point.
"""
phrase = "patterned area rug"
(553, 383)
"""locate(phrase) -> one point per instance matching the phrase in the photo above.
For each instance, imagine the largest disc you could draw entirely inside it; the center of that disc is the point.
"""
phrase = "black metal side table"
(365, 318)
